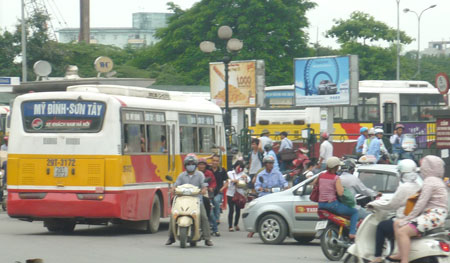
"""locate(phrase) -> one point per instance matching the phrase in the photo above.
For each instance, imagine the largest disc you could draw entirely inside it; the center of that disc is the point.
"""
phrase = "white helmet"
(406, 166)
(372, 131)
(379, 131)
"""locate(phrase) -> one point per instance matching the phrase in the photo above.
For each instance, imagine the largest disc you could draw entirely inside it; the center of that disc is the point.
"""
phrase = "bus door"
(389, 110)
(171, 153)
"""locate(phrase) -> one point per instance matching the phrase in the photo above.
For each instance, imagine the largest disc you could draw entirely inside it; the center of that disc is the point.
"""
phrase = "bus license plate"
(61, 171)
(321, 225)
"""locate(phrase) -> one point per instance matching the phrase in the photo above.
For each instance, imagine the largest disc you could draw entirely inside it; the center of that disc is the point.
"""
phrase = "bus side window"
(134, 138)
(188, 139)
(206, 139)
(157, 138)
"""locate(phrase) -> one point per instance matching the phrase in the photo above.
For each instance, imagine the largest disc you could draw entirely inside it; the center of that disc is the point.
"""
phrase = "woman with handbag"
(237, 181)
(430, 210)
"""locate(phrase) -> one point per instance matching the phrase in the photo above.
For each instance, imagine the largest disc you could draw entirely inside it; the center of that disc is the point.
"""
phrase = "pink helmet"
(325, 135)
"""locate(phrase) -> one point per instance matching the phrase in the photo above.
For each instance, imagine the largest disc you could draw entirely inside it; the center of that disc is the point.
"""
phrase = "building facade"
(140, 34)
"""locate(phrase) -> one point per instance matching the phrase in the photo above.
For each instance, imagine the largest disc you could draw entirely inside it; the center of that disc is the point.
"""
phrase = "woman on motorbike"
(429, 212)
(234, 178)
(330, 188)
(408, 187)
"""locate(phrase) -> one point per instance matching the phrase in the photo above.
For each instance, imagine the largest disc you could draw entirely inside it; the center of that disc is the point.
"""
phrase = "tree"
(270, 30)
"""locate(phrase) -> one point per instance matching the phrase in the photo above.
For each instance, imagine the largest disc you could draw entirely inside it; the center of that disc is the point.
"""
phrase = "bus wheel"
(60, 226)
(153, 223)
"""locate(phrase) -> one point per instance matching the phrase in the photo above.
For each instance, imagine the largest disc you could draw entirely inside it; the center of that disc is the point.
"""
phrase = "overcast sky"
(435, 25)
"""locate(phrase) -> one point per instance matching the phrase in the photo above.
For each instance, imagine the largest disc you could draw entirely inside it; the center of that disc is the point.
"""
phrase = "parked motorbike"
(432, 247)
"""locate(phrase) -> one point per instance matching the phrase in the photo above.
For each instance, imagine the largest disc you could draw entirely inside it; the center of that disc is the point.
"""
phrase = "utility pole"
(398, 40)
(85, 32)
(24, 45)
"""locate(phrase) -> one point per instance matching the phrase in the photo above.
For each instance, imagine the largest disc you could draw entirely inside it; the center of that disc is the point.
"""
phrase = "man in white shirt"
(326, 151)
(264, 139)
(285, 145)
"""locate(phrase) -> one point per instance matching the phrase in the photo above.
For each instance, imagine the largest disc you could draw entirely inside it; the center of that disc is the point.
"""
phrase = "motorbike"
(333, 231)
(432, 247)
(409, 145)
(297, 165)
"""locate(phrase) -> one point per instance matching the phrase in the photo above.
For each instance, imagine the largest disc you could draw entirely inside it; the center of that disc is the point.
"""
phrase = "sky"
(435, 25)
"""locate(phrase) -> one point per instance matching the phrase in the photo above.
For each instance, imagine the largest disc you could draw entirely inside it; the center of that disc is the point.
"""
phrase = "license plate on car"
(321, 225)
(61, 171)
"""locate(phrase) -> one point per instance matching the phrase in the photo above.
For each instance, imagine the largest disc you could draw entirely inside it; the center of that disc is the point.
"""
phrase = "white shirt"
(231, 186)
(326, 150)
(255, 164)
(264, 140)
(285, 144)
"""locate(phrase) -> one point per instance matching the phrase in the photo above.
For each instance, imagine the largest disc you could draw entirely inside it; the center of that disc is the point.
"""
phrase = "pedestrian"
(286, 144)
(326, 151)
(236, 178)
(202, 165)
(264, 139)
(360, 143)
(255, 158)
(220, 174)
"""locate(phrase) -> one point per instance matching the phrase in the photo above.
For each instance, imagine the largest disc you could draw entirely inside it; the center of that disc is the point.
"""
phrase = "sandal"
(231, 229)
(237, 228)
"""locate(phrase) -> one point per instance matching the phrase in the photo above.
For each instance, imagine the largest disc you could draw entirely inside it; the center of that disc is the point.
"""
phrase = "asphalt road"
(23, 240)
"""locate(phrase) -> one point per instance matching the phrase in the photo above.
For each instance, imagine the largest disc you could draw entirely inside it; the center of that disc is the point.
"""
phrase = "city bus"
(380, 103)
(96, 154)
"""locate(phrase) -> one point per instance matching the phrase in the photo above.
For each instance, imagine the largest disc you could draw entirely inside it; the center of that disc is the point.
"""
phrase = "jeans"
(385, 229)
(341, 209)
(215, 211)
(231, 208)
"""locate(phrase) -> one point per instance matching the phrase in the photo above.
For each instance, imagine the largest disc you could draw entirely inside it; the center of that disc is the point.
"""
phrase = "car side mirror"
(299, 191)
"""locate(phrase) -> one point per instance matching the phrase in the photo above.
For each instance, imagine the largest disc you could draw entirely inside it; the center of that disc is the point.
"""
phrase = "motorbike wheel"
(272, 229)
(183, 236)
(332, 251)
(152, 225)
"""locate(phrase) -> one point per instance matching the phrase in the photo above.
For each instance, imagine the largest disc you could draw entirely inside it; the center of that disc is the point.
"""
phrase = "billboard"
(326, 81)
(245, 83)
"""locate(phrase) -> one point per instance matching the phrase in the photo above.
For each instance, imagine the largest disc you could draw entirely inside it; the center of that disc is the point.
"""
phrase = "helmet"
(325, 135)
(267, 147)
(268, 159)
(303, 150)
(399, 125)
(406, 166)
(372, 131)
(379, 131)
(190, 158)
(349, 165)
(202, 160)
(265, 131)
(363, 129)
(333, 162)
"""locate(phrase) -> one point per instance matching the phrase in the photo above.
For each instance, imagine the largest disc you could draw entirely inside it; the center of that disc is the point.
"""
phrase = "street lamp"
(233, 45)
(406, 10)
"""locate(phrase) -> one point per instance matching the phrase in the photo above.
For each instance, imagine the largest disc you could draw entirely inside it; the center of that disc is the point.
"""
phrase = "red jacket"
(208, 174)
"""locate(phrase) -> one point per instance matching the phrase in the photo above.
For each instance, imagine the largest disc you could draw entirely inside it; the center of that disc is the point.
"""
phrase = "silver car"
(291, 213)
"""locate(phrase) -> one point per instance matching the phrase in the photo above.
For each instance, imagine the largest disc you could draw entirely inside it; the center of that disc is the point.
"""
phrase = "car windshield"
(379, 181)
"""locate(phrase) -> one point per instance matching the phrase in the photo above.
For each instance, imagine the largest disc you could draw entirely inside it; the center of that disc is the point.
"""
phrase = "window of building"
(414, 107)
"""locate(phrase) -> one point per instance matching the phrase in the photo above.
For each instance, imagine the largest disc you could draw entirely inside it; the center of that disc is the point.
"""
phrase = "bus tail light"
(90, 196)
(32, 195)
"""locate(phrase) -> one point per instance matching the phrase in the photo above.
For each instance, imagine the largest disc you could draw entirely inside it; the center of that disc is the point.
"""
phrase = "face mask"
(190, 168)
(239, 169)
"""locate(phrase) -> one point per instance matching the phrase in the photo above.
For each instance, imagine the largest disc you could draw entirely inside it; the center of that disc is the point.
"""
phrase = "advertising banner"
(242, 83)
(326, 81)
(443, 133)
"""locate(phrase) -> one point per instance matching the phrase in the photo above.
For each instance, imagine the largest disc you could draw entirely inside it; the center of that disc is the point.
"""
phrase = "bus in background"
(97, 154)
(380, 103)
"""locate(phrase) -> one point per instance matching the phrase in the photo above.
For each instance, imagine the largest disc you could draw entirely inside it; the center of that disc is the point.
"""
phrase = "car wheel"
(303, 239)
(60, 226)
(272, 229)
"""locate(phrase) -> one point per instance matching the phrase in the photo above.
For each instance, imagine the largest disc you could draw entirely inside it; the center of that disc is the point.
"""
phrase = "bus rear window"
(63, 116)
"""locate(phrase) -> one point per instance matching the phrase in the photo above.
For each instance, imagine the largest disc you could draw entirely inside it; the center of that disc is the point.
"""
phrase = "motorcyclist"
(397, 139)
(353, 184)
(361, 139)
(368, 140)
(269, 152)
(196, 178)
(376, 147)
(408, 187)
(271, 178)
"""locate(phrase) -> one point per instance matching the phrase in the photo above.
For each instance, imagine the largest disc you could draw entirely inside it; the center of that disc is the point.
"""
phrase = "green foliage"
(270, 30)
(362, 26)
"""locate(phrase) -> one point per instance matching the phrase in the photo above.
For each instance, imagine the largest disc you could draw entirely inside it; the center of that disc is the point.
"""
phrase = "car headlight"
(252, 203)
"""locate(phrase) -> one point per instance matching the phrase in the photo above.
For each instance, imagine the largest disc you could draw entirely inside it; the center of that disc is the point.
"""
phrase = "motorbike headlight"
(175, 213)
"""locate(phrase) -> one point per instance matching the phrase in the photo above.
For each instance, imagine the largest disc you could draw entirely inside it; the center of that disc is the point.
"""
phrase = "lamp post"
(233, 45)
(419, 16)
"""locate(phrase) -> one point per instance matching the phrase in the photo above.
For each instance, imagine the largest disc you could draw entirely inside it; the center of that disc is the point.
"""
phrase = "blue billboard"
(324, 81)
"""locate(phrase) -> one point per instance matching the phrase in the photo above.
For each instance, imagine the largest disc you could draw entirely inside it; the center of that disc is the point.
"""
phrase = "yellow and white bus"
(97, 154)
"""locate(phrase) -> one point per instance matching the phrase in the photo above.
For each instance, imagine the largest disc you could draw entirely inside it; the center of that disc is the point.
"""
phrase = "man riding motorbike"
(397, 140)
(196, 178)
(271, 178)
